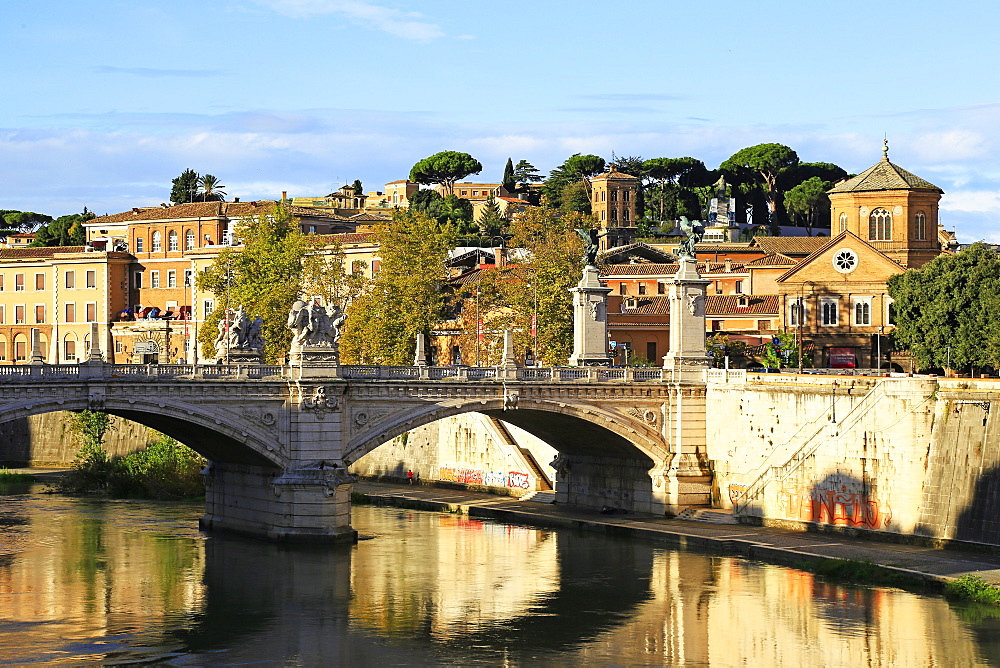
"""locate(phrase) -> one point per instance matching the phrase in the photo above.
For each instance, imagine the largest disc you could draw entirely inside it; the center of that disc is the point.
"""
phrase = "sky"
(108, 101)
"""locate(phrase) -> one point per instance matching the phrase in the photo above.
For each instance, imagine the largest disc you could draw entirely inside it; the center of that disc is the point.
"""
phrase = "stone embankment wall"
(45, 440)
(470, 450)
(911, 456)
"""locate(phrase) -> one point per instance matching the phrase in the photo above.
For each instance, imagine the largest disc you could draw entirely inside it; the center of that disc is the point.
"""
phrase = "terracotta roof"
(773, 260)
(22, 235)
(190, 210)
(884, 175)
(39, 252)
(367, 216)
(715, 305)
(658, 269)
(309, 212)
(614, 175)
(791, 246)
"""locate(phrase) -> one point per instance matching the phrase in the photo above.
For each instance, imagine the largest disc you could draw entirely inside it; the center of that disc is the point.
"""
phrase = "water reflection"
(87, 581)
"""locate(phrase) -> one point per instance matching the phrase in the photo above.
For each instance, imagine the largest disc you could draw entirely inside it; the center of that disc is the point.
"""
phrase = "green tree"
(445, 168)
(405, 297)
(210, 189)
(765, 162)
(264, 276)
(358, 188)
(185, 187)
(670, 174)
(64, 231)
(24, 221)
(451, 209)
(807, 203)
(507, 297)
(508, 176)
(793, 176)
(491, 221)
(947, 309)
(575, 198)
(576, 169)
(526, 173)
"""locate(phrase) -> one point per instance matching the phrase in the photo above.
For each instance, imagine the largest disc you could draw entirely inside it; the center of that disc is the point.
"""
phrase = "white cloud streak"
(408, 25)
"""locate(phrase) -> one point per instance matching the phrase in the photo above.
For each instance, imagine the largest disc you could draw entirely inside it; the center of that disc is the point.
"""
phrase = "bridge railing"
(126, 372)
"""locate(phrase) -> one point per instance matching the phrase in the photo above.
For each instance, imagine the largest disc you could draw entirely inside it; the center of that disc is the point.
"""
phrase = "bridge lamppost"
(802, 314)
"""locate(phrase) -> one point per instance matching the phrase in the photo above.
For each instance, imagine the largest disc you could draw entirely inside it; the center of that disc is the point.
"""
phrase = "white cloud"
(972, 201)
(948, 145)
(407, 25)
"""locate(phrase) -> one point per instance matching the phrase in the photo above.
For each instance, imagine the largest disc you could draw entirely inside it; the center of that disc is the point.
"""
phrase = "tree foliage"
(23, 221)
(508, 176)
(808, 203)
(210, 189)
(765, 162)
(451, 209)
(64, 231)
(445, 168)
(948, 309)
(526, 173)
(675, 177)
(264, 276)
(575, 170)
(491, 221)
(405, 297)
(185, 187)
(507, 297)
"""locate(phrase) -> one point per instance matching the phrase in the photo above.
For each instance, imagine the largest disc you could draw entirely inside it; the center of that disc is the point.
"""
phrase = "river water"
(87, 581)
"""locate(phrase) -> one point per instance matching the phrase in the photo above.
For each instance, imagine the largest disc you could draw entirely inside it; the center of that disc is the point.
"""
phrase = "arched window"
(829, 312)
(843, 222)
(69, 348)
(20, 347)
(189, 240)
(172, 241)
(880, 225)
(157, 241)
(920, 226)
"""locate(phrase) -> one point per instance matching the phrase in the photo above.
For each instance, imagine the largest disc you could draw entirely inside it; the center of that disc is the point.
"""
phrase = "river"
(86, 581)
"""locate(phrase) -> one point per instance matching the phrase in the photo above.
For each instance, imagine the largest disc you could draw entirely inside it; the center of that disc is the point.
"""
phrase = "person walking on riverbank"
(409, 477)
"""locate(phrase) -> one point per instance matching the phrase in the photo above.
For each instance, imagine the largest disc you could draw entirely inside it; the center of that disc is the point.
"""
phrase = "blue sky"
(108, 101)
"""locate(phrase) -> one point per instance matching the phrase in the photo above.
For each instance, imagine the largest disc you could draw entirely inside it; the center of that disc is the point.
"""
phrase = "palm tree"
(211, 190)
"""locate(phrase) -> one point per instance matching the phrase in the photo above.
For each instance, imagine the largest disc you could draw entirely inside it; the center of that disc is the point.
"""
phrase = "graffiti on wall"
(512, 479)
(837, 504)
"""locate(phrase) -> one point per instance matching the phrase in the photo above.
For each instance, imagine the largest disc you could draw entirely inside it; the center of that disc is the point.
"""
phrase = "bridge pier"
(310, 504)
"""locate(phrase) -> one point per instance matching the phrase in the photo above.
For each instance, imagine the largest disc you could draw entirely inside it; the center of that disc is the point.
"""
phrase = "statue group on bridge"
(238, 333)
(316, 326)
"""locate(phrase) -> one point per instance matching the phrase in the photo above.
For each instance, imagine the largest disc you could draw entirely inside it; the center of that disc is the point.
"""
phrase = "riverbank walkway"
(784, 546)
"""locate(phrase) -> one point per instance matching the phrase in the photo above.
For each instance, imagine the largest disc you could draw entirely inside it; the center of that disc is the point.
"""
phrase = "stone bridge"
(279, 439)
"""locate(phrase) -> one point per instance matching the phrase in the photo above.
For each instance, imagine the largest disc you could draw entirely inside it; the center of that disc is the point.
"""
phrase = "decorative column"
(420, 353)
(685, 480)
(36, 347)
(94, 355)
(688, 357)
(590, 320)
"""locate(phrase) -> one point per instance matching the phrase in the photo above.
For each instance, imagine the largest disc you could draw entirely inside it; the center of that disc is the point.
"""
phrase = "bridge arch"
(213, 438)
(575, 429)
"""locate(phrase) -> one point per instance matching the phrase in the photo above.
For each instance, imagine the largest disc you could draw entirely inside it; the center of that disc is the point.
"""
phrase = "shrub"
(164, 469)
(972, 588)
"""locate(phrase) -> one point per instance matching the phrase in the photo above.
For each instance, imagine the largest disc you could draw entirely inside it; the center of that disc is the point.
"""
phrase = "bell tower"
(892, 209)
(614, 202)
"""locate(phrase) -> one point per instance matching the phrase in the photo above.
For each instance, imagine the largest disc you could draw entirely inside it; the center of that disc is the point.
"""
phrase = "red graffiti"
(843, 508)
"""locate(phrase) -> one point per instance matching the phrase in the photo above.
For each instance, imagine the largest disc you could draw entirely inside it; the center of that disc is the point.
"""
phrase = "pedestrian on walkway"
(409, 477)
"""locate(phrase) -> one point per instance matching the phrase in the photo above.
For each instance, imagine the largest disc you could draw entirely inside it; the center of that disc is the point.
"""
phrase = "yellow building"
(59, 291)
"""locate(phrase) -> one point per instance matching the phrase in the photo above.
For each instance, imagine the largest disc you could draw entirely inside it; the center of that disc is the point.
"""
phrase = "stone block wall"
(607, 482)
(45, 440)
(467, 450)
(911, 456)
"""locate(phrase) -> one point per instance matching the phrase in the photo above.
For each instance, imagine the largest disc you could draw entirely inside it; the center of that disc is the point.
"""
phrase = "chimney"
(500, 257)
(236, 200)
(728, 264)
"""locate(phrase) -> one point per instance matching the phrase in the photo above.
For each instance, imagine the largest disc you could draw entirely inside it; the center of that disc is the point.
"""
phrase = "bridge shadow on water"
(274, 602)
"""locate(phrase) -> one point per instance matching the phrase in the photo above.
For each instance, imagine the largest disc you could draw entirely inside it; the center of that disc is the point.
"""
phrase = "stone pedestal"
(687, 358)
(309, 503)
(590, 320)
